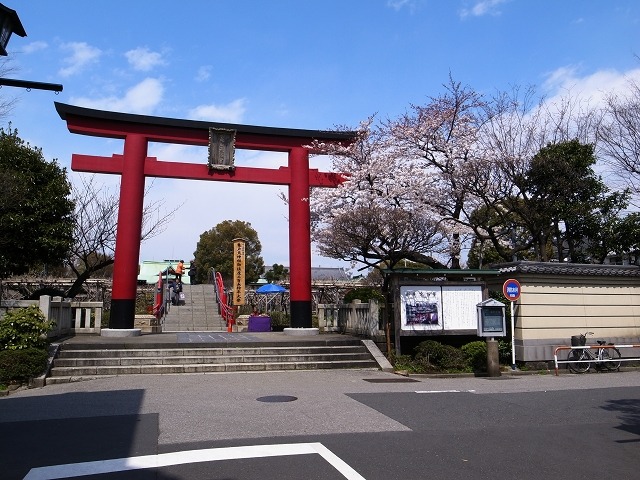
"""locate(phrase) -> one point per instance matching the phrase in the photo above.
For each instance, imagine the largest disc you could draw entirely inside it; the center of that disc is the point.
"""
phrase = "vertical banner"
(238, 271)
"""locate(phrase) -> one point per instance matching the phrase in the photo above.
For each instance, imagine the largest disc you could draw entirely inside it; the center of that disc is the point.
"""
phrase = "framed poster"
(439, 307)
(421, 308)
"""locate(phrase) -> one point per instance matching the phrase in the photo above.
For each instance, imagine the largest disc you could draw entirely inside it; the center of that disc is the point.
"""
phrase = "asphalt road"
(324, 425)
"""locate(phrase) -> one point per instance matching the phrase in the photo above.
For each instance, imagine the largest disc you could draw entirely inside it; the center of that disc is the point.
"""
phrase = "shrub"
(106, 314)
(21, 365)
(364, 294)
(476, 353)
(23, 328)
(404, 362)
(434, 355)
(145, 298)
(279, 320)
(504, 351)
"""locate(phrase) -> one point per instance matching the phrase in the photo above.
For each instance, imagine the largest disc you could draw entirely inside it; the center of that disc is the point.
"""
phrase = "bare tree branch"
(96, 220)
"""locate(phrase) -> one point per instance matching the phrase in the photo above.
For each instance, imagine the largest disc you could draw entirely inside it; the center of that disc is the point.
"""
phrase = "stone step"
(75, 364)
(191, 352)
(60, 364)
(70, 374)
(199, 312)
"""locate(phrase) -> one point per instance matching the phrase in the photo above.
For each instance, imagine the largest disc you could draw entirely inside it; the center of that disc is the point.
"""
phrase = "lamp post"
(10, 23)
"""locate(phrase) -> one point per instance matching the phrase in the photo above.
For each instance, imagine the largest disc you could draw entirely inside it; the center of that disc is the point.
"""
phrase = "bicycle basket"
(578, 340)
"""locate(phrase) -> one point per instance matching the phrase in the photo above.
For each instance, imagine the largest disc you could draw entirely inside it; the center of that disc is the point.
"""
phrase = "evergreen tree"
(215, 250)
(36, 214)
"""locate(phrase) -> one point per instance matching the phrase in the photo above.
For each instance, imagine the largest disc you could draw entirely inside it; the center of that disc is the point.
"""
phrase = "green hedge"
(21, 365)
(431, 356)
(434, 355)
(476, 353)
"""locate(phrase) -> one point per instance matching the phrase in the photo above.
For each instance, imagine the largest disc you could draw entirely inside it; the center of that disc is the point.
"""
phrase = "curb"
(506, 373)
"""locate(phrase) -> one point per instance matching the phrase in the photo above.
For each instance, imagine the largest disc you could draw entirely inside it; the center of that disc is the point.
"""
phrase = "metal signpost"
(511, 290)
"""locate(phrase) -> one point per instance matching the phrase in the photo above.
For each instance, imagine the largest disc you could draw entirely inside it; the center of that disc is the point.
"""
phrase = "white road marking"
(445, 391)
(191, 456)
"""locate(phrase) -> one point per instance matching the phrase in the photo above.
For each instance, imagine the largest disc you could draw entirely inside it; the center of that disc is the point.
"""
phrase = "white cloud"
(231, 112)
(593, 87)
(483, 7)
(400, 4)
(141, 98)
(82, 54)
(173, 152)
(35, 47)
(195, 154)
(204, 72)
(143, 59)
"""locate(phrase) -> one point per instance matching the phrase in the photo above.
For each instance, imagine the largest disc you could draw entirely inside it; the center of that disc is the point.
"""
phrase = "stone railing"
(355, 318)
(70, 317)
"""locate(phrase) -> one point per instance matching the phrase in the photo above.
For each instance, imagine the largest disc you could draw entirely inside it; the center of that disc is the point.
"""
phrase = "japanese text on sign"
(238, 271)
(511, 290)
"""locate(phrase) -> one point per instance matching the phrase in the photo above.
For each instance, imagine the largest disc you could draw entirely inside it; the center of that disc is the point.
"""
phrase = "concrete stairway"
(199, 312)
(83, 362)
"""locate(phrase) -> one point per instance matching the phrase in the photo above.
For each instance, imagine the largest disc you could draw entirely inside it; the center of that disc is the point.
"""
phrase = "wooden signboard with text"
(238, 271)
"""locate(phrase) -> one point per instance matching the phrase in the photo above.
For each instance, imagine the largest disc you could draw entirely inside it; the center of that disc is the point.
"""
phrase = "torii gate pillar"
(125, 267)
(300, 239)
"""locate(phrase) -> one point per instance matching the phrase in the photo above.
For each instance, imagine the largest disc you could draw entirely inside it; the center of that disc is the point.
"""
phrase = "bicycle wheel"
(577, 363)
(611, 359)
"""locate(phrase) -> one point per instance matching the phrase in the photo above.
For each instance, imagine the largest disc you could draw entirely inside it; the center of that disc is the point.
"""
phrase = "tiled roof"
(329, 273)
(556, 268)
(325, 274)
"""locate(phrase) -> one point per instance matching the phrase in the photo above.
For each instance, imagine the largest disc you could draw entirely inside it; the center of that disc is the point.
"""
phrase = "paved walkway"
(217, 338)
(382, 428)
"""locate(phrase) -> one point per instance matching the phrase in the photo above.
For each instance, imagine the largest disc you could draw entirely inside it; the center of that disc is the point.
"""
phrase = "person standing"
(192, 272)
(179, 271)
(171, 287)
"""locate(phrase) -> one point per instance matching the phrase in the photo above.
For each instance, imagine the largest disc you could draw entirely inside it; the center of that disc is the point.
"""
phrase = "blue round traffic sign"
(511, 289)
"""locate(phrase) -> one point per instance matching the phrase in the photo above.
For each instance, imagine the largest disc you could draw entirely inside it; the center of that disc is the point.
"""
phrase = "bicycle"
(580, 358)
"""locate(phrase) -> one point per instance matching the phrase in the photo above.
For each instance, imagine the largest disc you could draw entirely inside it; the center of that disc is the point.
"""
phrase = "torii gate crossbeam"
(134, 166)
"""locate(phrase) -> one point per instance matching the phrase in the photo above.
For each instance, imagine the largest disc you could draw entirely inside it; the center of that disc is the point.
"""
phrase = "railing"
(226, 310)
(87, 317)
(70, 317)
(356, 318)
(58, 310)
(620, 359)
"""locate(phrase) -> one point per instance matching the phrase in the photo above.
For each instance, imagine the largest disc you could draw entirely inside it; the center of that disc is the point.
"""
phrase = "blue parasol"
(271, 288)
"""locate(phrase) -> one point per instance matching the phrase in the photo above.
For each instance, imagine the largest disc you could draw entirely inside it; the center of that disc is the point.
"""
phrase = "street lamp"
(10, 23)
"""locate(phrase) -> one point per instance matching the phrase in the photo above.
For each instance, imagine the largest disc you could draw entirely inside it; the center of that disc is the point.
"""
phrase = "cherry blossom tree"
(440, 137)
(375, 217)
(512, 170)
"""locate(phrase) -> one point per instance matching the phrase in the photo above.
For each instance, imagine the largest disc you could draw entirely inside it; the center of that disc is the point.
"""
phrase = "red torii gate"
(134, 166)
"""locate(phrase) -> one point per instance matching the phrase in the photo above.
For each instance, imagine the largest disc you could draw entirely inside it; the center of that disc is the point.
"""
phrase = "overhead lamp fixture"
(9, 23)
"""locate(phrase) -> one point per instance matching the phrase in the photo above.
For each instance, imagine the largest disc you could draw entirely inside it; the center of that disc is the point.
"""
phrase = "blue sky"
(295, 64)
